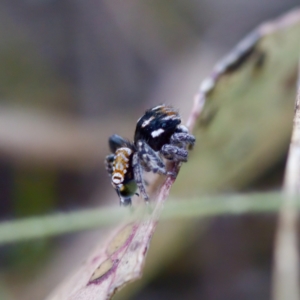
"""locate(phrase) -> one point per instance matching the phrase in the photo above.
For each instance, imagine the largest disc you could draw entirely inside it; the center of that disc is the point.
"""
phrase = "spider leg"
(182, 128)
(109, 160)
(182, 139)
(138, 176)
(176, 150)
(150, 160)
(172, 152)
(125, 201)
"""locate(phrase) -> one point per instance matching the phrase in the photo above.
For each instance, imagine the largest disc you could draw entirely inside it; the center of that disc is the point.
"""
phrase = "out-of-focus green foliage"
(246, 122)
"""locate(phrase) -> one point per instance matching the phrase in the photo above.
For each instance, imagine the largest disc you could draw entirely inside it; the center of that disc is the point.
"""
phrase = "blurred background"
(73, 73)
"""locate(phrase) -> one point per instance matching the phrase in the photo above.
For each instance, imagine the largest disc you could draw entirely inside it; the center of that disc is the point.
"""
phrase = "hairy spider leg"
(176, 150)
(182, 128)
(124, 201)
(109, 163)
(182, 139)
(149, 159)
(174, 153)
(138, 176)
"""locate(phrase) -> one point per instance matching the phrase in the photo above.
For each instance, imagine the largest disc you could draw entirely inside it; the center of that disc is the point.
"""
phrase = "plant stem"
(208, 206)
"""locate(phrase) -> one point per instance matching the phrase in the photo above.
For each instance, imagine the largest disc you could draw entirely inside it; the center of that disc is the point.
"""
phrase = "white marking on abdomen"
(117, 178)
(158, 106)
(123, 156)
(157, 132)
(126, 149)
(119, 166)
(145, 123)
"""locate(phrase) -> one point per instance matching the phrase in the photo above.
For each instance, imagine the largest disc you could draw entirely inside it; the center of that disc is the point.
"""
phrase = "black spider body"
(158, 136)
(157, 126)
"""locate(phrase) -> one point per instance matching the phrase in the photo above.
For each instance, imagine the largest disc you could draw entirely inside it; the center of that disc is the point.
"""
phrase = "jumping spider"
(158, 135)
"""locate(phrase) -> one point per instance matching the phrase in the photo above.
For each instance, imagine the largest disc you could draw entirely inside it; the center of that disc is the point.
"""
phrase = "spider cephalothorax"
(158, 135)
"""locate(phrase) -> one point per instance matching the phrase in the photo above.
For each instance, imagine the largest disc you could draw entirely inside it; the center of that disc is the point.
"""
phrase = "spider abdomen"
(157, 126)
(122, 170)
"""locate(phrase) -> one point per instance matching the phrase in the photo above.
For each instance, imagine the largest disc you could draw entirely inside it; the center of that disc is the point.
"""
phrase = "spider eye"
(128, 189)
